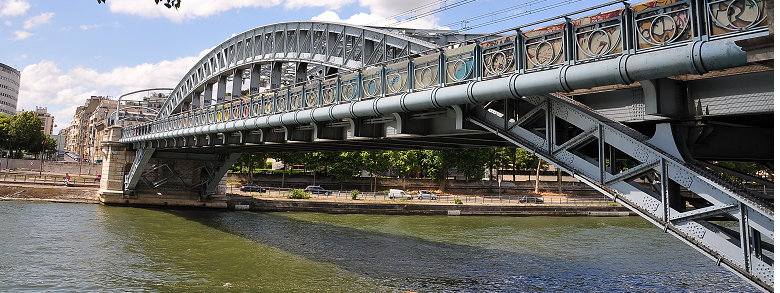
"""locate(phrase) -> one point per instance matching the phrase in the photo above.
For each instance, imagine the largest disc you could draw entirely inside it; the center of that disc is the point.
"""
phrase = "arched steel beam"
(330, 44)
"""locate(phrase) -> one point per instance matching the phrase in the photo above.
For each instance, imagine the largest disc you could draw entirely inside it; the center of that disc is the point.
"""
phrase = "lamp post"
(43, 153)
(119, 100)
(8, 155)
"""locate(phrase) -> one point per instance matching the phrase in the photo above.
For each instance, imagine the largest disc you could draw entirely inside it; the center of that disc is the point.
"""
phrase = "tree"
(168, 3)
(406, 163)
(375, 162)
(25, 131)
(343, 165)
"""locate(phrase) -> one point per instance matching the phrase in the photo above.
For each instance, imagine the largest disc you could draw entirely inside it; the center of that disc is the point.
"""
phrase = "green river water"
(47, 247)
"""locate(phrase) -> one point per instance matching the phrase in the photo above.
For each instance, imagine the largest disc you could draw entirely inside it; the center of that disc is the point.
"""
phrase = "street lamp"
(43, 153)
(119, 100)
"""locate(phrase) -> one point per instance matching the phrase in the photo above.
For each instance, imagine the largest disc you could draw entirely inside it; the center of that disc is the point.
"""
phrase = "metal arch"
(288, 41)
(119, 100)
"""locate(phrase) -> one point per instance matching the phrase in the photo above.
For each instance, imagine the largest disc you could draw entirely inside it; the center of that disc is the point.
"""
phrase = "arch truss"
(263, 56)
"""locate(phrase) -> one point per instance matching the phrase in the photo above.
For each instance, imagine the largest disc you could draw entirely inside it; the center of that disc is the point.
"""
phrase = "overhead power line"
(505, 14)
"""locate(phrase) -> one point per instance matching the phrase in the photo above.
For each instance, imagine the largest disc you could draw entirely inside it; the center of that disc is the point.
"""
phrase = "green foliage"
(354, 194)
(406, 162)
(458, 201)
(168, 3)
(298, 194)
(24, 130)
(375, 162)
(752, 169)
(242, 165)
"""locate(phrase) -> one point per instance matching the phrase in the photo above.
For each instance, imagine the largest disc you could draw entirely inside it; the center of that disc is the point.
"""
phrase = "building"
(47, 120)
(87, 127)
(10, 79)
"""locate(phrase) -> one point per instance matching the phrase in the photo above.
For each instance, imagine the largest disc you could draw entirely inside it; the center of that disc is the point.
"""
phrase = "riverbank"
(89, 195)
(49, 193)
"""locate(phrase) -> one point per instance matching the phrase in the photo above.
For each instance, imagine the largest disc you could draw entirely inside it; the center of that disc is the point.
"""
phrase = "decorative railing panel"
(498, 57)
(426, 72)
(372, 83)
(598, 36)
(296, 98)
(350, 88)
(661, 23)
(544, 47)
(734, 16)
(397, 76)
(312, 95)
(330, 91)
(459, 64)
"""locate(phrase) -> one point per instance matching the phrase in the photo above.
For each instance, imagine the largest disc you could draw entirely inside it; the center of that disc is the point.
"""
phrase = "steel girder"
(164, 170)
(561, 131)
(330, 44)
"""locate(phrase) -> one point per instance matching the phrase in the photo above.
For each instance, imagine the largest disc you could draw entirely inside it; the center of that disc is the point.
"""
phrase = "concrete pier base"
(163, 198)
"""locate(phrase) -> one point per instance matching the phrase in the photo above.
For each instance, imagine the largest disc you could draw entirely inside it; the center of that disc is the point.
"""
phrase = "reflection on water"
(67, 247)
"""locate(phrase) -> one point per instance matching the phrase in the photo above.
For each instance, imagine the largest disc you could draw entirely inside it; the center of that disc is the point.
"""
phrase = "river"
(52, 247)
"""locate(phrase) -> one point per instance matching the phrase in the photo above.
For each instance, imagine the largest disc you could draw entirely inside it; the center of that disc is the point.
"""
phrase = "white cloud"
(90, 26)
(45, 84)
(24, 56)
(36, 21)
(21, 35)
(7, 22)
(191, 9)
(13, 7)
(372, 19)
(330, 4)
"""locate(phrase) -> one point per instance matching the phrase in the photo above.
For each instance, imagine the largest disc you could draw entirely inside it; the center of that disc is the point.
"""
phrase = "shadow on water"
(398, 261)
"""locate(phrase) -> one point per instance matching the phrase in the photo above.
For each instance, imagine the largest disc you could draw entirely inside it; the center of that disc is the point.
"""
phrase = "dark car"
(252, 187)
(531, 199)
(316, 189)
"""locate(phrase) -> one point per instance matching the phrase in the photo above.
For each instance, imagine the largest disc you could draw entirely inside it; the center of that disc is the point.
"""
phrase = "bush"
(458, 201)
(354, 193)
(298, 194)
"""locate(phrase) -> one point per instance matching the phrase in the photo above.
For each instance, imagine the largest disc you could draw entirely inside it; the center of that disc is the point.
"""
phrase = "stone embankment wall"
(548, 184)
(50, 166)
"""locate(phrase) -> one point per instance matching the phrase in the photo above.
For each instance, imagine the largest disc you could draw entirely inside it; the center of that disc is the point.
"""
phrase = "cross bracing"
(325, 44)
(498, 91)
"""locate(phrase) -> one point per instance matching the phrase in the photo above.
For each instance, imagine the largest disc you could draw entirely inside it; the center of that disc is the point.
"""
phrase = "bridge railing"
(624, 30)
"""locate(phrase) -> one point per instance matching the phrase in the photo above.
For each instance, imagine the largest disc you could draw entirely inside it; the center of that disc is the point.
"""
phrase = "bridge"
(669, 86)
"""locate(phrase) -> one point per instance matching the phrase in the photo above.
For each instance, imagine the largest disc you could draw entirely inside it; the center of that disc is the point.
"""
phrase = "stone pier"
(119, 159)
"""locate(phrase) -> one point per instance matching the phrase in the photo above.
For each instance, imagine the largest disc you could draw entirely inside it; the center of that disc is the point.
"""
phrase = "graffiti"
(544, 30)
(662, 22)
(498, 56)
(736, 15)
(544, 51)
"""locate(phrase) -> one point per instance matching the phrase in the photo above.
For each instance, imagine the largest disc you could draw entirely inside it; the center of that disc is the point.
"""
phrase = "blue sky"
(70, 50)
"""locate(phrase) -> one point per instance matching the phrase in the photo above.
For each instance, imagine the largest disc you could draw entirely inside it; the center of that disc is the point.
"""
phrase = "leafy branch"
(168, 3)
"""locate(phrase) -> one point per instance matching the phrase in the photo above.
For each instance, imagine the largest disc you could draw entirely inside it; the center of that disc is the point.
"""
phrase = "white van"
(397, 193)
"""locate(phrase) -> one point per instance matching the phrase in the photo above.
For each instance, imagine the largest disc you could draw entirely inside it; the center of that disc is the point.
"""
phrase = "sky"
(68, 51)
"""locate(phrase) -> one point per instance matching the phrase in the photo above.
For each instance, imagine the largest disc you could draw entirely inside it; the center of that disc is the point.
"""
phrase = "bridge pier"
(113, 187)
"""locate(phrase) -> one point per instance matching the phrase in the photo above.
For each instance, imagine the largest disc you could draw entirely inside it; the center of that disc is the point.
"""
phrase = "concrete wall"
(548, 184)
(51, 166)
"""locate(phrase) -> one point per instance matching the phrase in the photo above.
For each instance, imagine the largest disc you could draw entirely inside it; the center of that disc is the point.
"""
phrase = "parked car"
(252, 187)
(316, 189)
(531, 199)
(425, 194)
(397, 193)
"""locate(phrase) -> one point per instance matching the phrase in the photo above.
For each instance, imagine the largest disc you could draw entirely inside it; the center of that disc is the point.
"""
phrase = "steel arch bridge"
(316, 48)
(663, 85)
